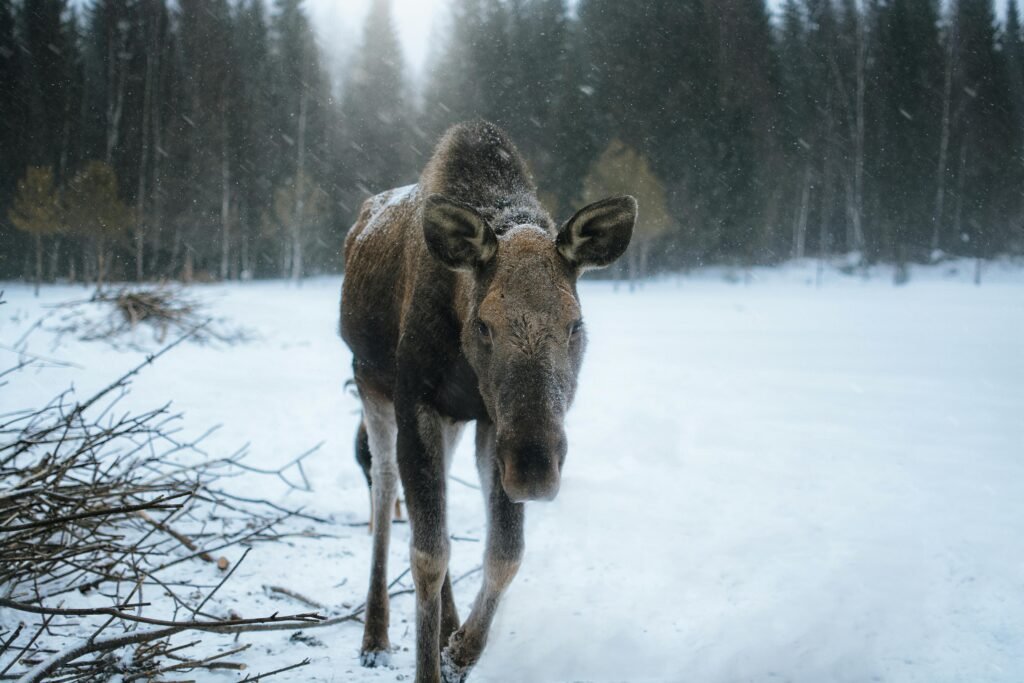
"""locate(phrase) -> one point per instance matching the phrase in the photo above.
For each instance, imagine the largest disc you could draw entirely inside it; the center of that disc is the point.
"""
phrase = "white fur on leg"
(450, 671)
(374, 659)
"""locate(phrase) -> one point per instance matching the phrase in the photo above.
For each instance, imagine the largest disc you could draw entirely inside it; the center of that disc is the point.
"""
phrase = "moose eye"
(483, 330)
(575, 328)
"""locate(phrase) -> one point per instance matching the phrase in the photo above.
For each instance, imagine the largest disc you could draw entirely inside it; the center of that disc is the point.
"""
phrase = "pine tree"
(254, 135)
(12, 125)
(908, 80)
(12, 99)
(201, 135)
(454, 90)
(375, 109)
(743, 128)
(1013, 51)
(53, 55)
(36, 211)
(94, 210)
(983, 204)
(301, 114)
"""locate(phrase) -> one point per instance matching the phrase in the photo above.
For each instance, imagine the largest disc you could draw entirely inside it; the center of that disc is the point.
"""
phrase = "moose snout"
(532, 470)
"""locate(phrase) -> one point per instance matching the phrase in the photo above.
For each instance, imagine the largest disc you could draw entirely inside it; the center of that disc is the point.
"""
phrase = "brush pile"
(115, 316)
(114, 537)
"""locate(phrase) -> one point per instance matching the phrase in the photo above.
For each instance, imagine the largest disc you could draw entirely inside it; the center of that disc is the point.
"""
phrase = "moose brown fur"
(459, 304)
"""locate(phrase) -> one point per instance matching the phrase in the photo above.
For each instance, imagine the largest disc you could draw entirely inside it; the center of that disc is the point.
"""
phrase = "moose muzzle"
(531, 469)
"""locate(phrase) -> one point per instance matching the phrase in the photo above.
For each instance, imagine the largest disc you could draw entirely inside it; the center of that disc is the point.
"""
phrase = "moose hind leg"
(449, 612)
(502, 556)
(379, 418)
(364, 458)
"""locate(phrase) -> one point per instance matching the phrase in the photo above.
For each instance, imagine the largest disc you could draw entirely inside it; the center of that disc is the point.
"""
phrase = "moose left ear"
(456, 234)
(599, 233)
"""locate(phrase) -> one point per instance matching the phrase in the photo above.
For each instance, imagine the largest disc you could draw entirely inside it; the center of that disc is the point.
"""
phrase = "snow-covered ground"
(766, 480)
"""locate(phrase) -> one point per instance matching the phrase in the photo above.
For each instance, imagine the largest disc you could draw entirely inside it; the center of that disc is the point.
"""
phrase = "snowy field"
(766, 481)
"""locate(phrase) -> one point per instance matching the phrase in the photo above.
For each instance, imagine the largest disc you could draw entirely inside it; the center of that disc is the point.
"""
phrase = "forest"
(211, 140)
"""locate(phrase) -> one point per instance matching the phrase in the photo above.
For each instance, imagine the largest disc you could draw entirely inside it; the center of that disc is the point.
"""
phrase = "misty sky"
(339, 23)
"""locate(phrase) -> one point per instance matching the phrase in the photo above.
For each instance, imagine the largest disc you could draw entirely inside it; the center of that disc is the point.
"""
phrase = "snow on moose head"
(524, 335)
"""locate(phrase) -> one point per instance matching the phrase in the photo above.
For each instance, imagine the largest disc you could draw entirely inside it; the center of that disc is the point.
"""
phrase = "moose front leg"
(502, 557)
(379, 432)
(423, 443)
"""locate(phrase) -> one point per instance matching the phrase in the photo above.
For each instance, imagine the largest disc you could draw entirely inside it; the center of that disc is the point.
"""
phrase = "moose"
(459, 304)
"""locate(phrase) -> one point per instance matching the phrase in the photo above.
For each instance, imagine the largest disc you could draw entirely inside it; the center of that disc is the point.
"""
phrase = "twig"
(195, 664)
(10, 641)
(250, 679)
(158, 504)
(180, 537)
(306, 618)
(55, 661)
(295, 596)
(350, 616)
(222, 581)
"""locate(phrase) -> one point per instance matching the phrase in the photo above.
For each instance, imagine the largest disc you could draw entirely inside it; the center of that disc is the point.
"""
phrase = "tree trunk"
(155, 222)
(634, 266)
(54, 260)
(800, 226)
(140, 200)
(940, 174)
(856, 204)
(300, 171)
(176, 243)
(100, 263)
(244, 257)
(961, 172)
(117, 69)
(39, 262)
(225, 200)
(297, 257)
(645, 250)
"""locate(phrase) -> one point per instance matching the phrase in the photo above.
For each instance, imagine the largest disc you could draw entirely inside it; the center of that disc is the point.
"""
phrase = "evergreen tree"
(12, 126)
(375, 110)
(986, 137)
(253, 132)
(454, 91)
(36, 211)
(908, 79)
(95, 211)
(746, 211)
(50, 42)
(201, 135)
(1013, 50)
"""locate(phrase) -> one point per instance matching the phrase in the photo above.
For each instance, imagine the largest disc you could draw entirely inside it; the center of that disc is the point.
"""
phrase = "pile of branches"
(114, 315)
(105, 517)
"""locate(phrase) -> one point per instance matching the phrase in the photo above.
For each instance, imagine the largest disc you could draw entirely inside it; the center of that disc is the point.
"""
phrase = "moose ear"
(599, 233)
(457, 235)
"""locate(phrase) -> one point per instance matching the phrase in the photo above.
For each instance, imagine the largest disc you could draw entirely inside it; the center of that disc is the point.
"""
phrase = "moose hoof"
(372, 659)
(451, 671)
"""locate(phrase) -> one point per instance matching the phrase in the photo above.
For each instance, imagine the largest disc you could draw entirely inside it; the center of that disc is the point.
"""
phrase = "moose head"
(523, 334)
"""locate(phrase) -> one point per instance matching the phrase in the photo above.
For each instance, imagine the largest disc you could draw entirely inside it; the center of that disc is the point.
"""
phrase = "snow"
(392, 198)
(382, 202)
(767, 480)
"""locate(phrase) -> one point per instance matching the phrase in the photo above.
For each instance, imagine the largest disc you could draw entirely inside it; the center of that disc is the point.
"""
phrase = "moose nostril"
(533, 460)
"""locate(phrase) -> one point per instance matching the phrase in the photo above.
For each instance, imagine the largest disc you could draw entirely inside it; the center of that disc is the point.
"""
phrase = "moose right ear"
(456, 234)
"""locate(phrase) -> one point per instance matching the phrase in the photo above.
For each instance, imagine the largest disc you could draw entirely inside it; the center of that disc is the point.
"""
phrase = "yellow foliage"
(36, 207)
(93, 206)
(287, 213)
(622, 170)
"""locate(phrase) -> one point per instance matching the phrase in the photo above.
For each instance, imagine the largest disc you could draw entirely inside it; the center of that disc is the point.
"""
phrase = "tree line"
(196, 139)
